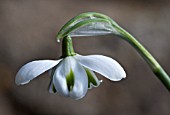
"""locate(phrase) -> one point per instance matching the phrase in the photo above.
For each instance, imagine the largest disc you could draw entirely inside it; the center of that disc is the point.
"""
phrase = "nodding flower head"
(73, 74)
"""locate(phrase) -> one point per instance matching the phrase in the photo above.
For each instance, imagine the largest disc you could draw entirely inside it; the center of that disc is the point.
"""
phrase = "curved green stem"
(155, 66)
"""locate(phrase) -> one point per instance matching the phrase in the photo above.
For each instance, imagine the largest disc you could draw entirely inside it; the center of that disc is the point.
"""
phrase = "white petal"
(80, 82)
(80, 78)
(33, 69)
(59, 78)
(103, 65)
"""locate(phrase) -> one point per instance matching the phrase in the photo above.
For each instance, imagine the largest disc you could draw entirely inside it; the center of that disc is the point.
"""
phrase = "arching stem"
(155, 66)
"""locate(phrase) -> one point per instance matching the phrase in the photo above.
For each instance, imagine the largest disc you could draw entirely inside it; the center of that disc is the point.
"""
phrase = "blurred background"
(27, 32)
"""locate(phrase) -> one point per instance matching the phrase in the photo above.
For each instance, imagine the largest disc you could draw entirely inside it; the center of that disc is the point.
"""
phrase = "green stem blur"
(67, 47)
(155, 66)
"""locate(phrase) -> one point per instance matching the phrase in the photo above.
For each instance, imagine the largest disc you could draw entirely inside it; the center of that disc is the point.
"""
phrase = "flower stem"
(67, 47)
(155, 66)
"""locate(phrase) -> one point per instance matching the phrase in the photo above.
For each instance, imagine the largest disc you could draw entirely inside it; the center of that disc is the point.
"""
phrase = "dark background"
(27, 32)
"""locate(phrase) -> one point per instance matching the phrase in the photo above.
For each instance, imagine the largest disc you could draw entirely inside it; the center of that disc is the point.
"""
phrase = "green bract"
(90, 22)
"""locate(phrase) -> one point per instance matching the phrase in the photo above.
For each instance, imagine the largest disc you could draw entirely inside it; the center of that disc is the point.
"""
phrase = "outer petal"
(103, 65)
(33, 69)
(61, 84)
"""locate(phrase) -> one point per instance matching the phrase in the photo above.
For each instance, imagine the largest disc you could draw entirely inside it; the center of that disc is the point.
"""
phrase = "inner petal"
(70, 79)
(92, 79)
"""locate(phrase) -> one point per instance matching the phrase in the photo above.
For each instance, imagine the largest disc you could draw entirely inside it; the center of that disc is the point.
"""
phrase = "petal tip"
(22, 83)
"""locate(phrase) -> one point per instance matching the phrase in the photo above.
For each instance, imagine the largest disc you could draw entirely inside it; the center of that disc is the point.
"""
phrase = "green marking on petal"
(54, 90)
(51, 87)
(70, 80)
(91, 79)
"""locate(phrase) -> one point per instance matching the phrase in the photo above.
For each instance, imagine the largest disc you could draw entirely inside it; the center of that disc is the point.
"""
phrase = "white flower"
(72, 75)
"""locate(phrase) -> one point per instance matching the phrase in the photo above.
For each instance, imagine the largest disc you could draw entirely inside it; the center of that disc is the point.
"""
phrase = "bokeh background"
(27, 32)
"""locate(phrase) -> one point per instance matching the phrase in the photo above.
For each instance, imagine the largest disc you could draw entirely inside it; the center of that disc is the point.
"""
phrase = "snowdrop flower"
(73, 74)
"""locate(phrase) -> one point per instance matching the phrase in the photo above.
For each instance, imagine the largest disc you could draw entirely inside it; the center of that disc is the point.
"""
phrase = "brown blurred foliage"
(27, 32)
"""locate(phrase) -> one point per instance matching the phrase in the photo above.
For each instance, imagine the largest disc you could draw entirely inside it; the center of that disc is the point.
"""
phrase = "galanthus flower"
(73, 74)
